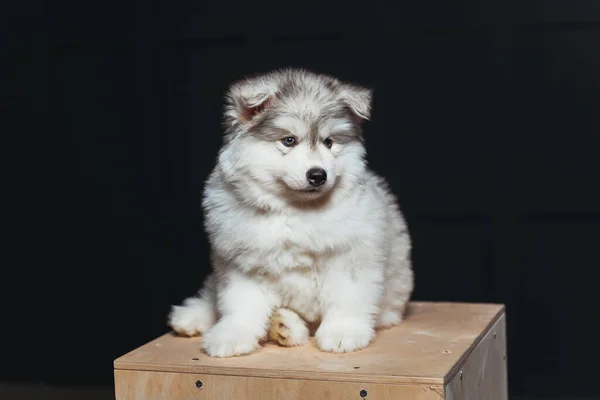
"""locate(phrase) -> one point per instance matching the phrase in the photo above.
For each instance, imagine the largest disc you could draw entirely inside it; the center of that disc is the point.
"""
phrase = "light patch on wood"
(439, 390)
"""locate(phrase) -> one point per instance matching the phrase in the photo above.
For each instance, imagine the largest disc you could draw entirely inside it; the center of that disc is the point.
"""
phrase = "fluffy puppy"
(301, 230)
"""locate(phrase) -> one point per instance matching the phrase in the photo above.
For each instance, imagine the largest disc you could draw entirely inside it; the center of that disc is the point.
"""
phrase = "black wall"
(486, 123)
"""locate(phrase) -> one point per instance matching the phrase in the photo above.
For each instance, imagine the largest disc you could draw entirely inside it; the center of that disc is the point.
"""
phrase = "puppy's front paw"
(342, 336)
(189, 319)
(229, 340)
(288, 329)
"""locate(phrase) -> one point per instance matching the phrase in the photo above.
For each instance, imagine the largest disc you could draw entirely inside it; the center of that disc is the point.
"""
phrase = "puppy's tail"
(198, 313)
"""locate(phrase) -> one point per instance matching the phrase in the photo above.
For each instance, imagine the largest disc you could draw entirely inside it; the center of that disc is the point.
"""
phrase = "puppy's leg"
(350, 296)
(399, 284)
(288, 329)
(245, 307)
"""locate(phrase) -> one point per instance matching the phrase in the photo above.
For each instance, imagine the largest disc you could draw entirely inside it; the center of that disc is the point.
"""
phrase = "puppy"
(301, 231)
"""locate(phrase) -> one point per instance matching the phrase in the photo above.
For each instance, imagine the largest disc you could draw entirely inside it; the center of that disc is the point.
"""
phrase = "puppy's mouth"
(309, 190)
(304, 191)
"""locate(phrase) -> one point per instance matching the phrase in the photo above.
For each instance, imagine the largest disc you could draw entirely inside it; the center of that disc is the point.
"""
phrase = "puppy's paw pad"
(288, 329)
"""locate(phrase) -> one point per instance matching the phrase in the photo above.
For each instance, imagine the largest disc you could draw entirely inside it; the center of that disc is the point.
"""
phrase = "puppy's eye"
(328, 142)
(288, 141)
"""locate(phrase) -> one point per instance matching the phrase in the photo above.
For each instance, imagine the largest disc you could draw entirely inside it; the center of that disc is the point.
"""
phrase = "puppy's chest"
(272, 244)
(295, 234)
(299, 290)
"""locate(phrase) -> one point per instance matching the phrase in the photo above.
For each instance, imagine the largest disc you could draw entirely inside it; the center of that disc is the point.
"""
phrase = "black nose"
(316, 176)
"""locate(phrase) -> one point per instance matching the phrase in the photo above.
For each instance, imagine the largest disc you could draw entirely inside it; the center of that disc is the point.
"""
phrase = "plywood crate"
(441, 351)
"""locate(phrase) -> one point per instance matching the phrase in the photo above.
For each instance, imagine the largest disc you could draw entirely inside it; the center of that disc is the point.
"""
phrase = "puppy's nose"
(316, 176)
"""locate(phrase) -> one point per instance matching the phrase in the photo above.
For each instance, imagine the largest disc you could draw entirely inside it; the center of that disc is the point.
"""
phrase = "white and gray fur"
(286, 254)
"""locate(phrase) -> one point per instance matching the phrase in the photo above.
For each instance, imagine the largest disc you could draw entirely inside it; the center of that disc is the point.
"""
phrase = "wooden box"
(441, 351)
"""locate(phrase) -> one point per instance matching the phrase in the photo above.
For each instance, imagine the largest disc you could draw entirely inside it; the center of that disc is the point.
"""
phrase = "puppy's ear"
(249, 98)
(358, 99)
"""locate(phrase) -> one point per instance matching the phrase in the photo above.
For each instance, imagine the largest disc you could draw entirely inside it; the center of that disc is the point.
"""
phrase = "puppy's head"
(294, 134)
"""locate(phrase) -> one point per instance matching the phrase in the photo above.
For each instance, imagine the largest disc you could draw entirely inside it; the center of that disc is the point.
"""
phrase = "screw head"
(363, 393)
(199, 384)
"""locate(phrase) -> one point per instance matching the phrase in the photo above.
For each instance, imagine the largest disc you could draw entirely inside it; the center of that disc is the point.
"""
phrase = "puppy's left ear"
(359, 100)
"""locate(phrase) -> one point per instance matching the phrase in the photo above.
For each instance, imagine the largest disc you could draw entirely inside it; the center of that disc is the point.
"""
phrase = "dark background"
(486, 123)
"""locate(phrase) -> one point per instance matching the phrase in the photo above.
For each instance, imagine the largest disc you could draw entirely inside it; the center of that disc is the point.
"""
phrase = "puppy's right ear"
(247, 99)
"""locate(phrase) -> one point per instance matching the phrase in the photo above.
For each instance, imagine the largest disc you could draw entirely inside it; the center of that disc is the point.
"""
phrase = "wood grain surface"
(426, 349)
